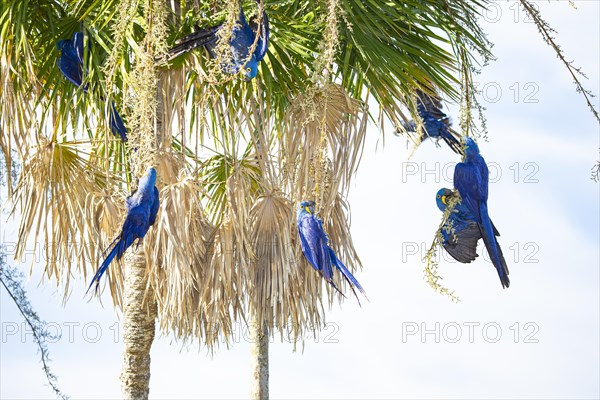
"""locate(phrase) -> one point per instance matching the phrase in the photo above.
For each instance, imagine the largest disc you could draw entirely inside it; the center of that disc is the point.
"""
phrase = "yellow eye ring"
(439, 197)
(248, 69)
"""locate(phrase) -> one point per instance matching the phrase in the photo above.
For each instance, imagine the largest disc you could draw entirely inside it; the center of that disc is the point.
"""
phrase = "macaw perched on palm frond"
(471, 180)
(315, 246)
(242, 38)
(142, 207)
(436, 124)
(71, 62)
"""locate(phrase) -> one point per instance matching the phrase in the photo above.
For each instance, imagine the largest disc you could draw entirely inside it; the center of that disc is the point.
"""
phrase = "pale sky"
(537, 339)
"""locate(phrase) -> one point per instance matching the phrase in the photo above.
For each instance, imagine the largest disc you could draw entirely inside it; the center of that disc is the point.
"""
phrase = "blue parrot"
(70, 64)
(436, 124)
(142, 207)
(315, 246)
(243, 36)
(471, 181)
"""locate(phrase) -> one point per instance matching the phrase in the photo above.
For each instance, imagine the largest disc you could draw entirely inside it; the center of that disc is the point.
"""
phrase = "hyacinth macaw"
(70, 64)
(242, 38)
(471, 181)
(436, 124)
(142, 207)
(315, 246)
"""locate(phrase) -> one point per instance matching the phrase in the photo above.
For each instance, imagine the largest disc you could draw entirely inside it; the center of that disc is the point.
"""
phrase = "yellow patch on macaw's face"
(307, 209)
(444, 199)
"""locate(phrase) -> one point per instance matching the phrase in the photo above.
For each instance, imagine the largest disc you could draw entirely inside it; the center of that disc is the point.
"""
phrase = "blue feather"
(352, 281)
(116, 124)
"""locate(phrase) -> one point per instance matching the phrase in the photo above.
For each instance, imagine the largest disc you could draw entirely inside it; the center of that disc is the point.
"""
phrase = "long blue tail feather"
(492, 246)
(347, 275)
(103, 267)
(117, 126)
(194, 40)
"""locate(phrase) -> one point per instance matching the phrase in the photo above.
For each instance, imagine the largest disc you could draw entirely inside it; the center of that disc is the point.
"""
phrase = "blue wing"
(241, 41)
(471, 180)
(482, 168)
(468, 181)
(70, 62)
(461, 232)
(202, 37)
(242, 38)
(462, 245)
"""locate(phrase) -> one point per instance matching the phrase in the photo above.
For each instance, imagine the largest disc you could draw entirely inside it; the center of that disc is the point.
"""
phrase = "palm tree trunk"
(139, 314)
(260, 359)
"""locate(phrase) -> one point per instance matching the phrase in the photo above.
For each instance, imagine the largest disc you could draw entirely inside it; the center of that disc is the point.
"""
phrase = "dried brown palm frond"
(180, 232)
(104, 213)
(337, 228)
(240, 192)
(177, 252)
(322, 143)
(200, 111)
(18, 115)
(169, 166)
(221, 285)
(50, 196)
(261, 131)
(19, 86)
(172, 107)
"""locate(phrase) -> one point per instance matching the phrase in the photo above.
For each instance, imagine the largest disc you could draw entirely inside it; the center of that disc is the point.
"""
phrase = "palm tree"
(233, 158)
